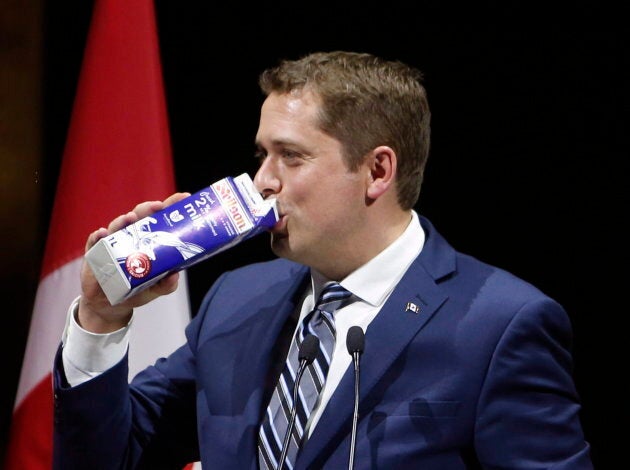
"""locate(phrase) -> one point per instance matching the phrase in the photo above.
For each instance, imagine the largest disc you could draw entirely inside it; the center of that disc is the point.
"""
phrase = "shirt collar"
(374, 281)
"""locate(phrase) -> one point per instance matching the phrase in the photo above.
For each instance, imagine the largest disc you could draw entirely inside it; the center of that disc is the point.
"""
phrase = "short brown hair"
(366, 102)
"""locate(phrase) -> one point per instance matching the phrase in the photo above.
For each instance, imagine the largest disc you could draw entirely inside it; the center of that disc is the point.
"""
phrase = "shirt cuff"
(86, 355)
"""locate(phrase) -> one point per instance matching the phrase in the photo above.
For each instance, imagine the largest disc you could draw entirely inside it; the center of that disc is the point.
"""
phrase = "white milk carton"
(180, 235)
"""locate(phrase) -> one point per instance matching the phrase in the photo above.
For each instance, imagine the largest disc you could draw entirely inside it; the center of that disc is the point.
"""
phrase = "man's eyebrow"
(277, 143)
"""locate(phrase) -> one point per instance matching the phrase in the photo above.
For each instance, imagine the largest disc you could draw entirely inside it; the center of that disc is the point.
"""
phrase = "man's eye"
(260, 155)
(290, 154)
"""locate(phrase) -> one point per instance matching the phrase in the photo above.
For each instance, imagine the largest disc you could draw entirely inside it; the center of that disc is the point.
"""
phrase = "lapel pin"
(413, 307)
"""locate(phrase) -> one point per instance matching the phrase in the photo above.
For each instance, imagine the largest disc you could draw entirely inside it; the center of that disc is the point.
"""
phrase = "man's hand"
(96, 314)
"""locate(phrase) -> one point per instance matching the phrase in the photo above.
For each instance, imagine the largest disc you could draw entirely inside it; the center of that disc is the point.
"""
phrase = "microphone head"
(355, 341)
(308, 348)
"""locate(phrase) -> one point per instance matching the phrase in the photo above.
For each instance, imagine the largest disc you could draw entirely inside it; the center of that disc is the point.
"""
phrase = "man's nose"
(266, 180)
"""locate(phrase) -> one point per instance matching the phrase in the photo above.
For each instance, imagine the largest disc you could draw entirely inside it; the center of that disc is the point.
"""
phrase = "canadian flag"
(117, 154)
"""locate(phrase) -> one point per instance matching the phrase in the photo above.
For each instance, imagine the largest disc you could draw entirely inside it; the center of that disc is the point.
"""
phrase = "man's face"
(320, 202)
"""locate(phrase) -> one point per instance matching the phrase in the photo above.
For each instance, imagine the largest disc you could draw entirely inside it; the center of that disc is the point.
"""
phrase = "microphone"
(355, 342)
(306, 355)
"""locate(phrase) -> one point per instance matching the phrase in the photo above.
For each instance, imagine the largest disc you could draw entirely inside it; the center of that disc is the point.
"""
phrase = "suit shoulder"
(258, 277)
(500, 286)
(276, 268)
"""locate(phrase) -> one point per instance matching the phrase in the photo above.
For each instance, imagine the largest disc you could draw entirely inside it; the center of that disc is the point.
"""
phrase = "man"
(465, 365)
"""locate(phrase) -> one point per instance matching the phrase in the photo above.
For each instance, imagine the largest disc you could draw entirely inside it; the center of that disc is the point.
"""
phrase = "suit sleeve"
(528, 409)
(106, 423)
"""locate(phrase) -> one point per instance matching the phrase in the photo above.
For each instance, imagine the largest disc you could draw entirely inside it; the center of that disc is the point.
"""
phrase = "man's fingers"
(173, 198)
(94, 237)
(122, 221)
(147, 208)
(167, 285)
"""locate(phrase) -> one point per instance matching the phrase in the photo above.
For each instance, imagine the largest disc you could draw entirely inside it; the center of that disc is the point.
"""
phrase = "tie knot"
(332, 297)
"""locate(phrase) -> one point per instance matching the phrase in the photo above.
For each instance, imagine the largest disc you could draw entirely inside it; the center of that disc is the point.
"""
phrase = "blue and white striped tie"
(321, 323)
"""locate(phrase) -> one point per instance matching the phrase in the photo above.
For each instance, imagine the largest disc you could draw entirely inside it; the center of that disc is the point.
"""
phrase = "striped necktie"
(321, 323)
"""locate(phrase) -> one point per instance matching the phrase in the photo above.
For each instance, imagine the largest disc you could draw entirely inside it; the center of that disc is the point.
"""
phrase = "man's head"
(342, 140)
(365, 102)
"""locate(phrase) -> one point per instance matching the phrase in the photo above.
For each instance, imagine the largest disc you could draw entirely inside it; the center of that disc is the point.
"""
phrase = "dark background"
(528, 161)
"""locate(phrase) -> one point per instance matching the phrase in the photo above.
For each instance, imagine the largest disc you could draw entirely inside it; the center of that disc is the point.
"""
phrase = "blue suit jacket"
(480, 373)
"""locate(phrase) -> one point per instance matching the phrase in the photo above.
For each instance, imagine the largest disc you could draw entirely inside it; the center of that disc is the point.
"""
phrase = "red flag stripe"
(118, 131)
(33, 418)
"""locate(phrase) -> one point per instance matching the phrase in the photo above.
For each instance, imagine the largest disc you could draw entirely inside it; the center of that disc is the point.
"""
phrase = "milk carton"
(182, 234)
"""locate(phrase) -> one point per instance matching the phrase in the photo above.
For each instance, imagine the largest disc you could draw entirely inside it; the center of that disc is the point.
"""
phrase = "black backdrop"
(526, 163)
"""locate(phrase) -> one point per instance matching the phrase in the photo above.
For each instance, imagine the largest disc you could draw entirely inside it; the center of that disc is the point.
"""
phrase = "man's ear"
(382, 169)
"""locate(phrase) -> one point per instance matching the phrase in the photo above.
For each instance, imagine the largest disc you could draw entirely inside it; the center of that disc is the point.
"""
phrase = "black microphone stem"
(355, 341)
(306, 354)
(355, 418)
(287, 436)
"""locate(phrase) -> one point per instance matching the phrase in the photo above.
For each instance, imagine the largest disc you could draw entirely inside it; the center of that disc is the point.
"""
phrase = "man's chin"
(280, 246)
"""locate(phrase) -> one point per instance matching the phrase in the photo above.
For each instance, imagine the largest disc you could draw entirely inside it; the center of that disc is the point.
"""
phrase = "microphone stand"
(355, 417)
(307, 353)
(355, 341)
(287, 436)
